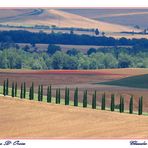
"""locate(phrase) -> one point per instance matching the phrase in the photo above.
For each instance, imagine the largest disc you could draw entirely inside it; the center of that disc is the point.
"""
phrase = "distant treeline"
(22, 36)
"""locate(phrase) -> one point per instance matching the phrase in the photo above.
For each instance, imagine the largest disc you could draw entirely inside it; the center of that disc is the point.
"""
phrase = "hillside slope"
(59, 18)
(30, 119)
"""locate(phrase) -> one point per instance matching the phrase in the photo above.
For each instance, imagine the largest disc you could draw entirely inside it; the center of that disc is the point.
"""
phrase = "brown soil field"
(83, 79)
(31, 119)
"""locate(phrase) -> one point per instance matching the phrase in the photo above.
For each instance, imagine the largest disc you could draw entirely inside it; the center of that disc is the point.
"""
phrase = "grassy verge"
(71, 103)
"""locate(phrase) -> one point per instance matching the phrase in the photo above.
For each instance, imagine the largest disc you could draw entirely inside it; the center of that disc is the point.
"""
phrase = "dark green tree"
(112, 106)
(32, 91)
(49, 94)
(4, 88)
(16, 89)
(94, 100)
(103, 102)
(85, 98)
(57, 96)
(76, 97)
(12, 93)
(121, 104)
(39, 93)
(7, 87)
(21, 94)
(131, 105)
(66, 96)
(140, 106)
(24, 93)
(97, 31)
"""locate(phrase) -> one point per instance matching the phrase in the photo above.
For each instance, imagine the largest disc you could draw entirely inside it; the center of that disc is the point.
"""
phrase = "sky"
(73, 3)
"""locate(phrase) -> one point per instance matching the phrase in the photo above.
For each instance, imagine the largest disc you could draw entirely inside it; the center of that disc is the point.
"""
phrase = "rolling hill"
(58, 18)
(140, 81)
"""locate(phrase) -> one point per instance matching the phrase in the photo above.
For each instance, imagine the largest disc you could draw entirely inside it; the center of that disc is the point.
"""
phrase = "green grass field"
(140, 81)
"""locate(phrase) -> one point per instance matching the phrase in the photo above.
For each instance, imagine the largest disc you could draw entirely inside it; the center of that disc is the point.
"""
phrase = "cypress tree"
(85, 98)
(30, 95)
(94, 100)
(39, 93)
(32, 91)
(12, 93)
(21, 94)
(121, 104)
(66, 96)
(4, 88)
(131, 105)
(7, 87)
(103, 102)
(57, 95)
(140, 106)
(76, 97)
(49, 94)
(112, 107)
(24, 90)
(16, 89)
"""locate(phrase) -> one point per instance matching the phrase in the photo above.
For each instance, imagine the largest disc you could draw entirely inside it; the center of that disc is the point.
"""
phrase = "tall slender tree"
(49, 94)
(21, 94)
(7, 87)
(59, 96)
(121, 104)
(140, 106)
(56, 96)
(12, 93)
(112, 106)
(85, 98)
(103, 102)
(24, 93)
(66, 96)
(32, 91)
(131, 105)
(94, 100)
(4, 88)
(39, 93)
(76, 97)
(16, 89)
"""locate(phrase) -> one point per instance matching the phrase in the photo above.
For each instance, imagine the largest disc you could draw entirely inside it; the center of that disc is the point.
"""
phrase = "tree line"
(49, 98)
(19, 58)
(22, 36)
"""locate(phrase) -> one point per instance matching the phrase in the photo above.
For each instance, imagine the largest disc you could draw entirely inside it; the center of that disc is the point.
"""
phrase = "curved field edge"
(140, 81)
(33, 119)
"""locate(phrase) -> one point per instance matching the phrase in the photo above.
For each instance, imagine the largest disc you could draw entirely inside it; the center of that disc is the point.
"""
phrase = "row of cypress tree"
(67, 97)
